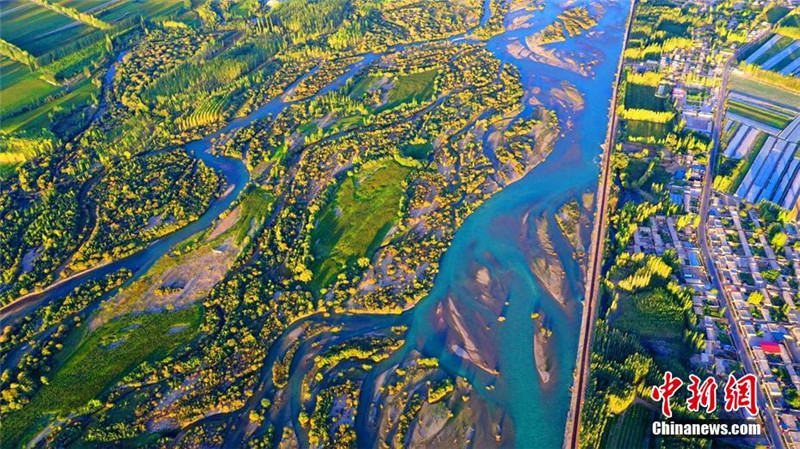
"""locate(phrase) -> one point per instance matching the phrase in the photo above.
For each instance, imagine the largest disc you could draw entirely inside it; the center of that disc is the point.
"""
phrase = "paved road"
(741, 348)
(572, 432)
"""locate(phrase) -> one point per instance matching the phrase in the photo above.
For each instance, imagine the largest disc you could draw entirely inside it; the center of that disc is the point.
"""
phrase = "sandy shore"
(546, 265)
(542, 350)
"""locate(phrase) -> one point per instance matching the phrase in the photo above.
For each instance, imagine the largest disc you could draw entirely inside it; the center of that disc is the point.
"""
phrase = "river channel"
(495, 236)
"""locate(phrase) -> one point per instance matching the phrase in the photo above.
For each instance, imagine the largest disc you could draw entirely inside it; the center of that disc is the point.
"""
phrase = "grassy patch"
(731, 172)
(256, 203)
(355, 221)
(776, 13)
(790, 26)
(786, 61)
(37, 29)
(414, 87)
(361, 86)
(150, 8)
(100, 359)
(674, 28)
(743, 168)
(354, 121)
(645, 129)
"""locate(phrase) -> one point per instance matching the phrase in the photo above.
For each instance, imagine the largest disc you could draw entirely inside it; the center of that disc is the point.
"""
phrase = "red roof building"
(770, 347)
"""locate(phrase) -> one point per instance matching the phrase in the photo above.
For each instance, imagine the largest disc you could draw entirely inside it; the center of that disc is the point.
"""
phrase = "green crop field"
(148, 8)
(790, 26)
(37, 29)
(257, 202)
(356, 220)
(782, 43)
(768, 117)
(20, 87)
(776, 13)
(90, 6)
(753, 87)
(38, 118)
(651, 314)
(629, 429)
(639, 96)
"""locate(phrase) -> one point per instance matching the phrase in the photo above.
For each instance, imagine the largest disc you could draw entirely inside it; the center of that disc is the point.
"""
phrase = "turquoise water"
(495, 236)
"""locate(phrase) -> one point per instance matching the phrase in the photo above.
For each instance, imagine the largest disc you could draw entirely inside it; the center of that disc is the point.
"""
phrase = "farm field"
(20, 87)
(773, 174)
(39, 30)
(790, 25)
(39, 118)
(736, 162)
(90, 6)
(741, 142)
(778, 53)
(260, 175)
(652, 315)
(630, 429)
(124, 10)
(750, 86)
(642, 96)
(52, 93)
(768, 116)
(771, 48)
(759, 160)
